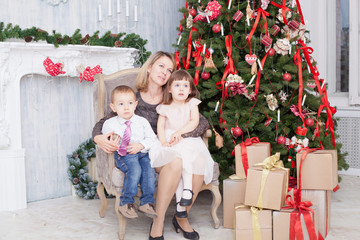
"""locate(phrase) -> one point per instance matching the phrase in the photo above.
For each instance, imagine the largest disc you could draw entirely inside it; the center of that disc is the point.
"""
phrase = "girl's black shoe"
(182, 214)
(186, 202)
(187, 235)
(155, 238)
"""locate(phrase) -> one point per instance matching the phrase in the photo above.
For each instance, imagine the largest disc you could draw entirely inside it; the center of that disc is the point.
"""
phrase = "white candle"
(199, 1)
(178, 42)
(252, 79)
(303, 101)
(118, 6)
(127, 9)
(278, 115)
(289, 49)
(259, 64)
(194, 45)
(100, 17)
(217, 105)
(222, 29)
(247, 20)
(293, 3)
(204, 48)
(135, 13)
(322, 85)
(207, 18)
(229, 5)
(109, 7)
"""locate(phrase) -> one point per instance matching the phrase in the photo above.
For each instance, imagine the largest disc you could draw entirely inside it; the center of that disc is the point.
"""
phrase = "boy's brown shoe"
(128, 210)
(148, 209)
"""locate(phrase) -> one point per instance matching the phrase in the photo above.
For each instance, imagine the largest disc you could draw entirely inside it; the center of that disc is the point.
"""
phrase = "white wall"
(157, 19)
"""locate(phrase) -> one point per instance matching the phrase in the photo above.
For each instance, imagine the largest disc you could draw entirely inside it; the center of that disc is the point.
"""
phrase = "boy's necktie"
(125, 139)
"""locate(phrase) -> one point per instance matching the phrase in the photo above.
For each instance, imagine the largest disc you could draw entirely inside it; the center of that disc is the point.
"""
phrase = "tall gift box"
(248, 153)
(321, 200)
(252, 224)
(319, 169)
(267, 188)
(234, 193)
(282, 221)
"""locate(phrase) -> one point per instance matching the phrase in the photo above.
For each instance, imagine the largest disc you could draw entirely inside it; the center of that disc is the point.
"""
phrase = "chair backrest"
(104, 84)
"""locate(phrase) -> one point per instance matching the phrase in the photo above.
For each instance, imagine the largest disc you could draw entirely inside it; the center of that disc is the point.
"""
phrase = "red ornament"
(271, 52)
(293, 24)
(266, 40)
(216, 28)
(53, 69)
(238, 15)
(287, 77)
(192, 12)
(274, 29)
(236, 132)
(281, 140)
(309, 122)
(205, 75)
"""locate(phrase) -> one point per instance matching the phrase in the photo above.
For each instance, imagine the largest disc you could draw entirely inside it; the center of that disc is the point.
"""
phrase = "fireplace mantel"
(18, 59)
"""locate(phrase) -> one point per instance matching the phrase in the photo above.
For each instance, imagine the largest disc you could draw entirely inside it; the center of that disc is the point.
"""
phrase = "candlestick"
(178, 42)
(322, 85)
(100, 17)
(204, 48)
(259, 64)
(217, 105)
(252, 79)
(278, 115)
(118, 6)
(229, 5)
(127, 9)
(109, 7)
(302, 104)
(247, 20)
(135, 13)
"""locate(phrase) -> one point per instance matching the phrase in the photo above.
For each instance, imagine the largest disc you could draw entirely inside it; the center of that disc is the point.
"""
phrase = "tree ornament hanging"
(271, 52)
(189, 21)
(236, 132)
(267, 122)
(293, 24)
(279, 16)
(249, 11)
(265, 4)
(253, 69)
(216, 28)
(238, 15)
(286, 77)
(281, 140)
(53, 69)
(266, 40)
(192, 12)
(283, 96)
(209, 63)
(250, 59)
(271, 101)
(275, 29)
(311, 84)
(309, 122)
(298, 33)
(205, 75)
(282, 46)
(213, 9)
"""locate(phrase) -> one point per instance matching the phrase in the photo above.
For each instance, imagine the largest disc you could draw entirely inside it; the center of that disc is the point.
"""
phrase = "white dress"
(193, 151)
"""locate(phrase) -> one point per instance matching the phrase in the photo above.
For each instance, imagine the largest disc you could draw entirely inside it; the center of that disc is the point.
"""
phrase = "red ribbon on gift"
(244, 156)
(283, 8)
(264, 14)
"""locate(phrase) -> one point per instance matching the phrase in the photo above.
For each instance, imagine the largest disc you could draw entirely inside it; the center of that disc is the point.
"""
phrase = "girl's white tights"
(185, 183)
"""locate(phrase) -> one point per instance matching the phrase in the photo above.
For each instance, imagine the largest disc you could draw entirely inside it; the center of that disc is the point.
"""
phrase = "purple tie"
(125, 139)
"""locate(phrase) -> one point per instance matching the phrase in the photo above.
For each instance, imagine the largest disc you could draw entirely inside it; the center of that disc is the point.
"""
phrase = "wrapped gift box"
(281, 224)
(275, 188)
(234, 193)
(321, 200)
(319, 170)
(244, 223)
(256, 153)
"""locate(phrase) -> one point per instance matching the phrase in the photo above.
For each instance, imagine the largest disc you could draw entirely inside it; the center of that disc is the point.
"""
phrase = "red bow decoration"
(244, 156)
(237, 88)
(88, 74)
(53, 69)
(295, 110)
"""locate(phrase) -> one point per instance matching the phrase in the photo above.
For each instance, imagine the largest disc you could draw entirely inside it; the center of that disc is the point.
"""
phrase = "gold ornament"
(249, 11)
(254, 68)
(209, 63)
(189, 21)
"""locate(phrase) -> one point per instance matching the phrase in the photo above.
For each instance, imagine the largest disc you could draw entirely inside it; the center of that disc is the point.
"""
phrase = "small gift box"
(266, 40)
(266, 186)
(252, 223)
(290, 223)
(238, 15)
(319, 169)
(234, 193)
(293, 24)
(274, 29)
(249, 153)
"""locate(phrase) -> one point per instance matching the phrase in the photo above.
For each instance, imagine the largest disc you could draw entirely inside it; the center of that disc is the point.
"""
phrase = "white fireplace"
(17, 60)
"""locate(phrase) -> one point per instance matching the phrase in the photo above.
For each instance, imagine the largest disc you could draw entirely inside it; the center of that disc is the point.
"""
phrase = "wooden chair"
(111, 178)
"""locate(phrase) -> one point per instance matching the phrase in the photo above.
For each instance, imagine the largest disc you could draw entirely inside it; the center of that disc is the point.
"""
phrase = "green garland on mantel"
(78, 170)
(109, 39)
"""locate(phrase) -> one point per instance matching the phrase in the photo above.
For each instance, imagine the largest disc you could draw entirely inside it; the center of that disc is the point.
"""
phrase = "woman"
(153, 75)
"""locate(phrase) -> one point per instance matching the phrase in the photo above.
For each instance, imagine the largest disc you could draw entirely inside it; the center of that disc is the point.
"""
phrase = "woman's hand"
(106, 143)
(134, 148)
(175, 138)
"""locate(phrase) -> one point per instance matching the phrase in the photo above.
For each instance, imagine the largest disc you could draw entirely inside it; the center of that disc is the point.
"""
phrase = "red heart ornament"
(250, 59)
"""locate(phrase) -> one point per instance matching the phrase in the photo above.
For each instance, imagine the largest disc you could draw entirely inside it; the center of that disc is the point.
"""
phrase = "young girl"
(179, 114)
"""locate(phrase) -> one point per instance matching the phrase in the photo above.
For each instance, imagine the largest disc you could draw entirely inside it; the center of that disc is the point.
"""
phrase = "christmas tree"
(256, 76)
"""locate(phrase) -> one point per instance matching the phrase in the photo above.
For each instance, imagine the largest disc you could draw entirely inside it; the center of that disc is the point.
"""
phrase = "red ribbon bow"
(244, 156)
(264, 14)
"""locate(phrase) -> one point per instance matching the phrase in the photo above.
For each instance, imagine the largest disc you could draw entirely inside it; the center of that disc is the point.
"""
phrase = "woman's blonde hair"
(142, 79)
(179, 75)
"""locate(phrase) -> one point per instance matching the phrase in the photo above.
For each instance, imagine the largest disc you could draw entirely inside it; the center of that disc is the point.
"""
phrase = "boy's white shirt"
(141, 131)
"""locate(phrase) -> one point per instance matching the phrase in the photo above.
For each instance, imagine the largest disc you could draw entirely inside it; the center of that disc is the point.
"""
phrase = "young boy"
(132, 156)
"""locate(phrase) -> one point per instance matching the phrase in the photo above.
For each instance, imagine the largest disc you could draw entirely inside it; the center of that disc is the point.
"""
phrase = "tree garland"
(78, 170)
(109, 39)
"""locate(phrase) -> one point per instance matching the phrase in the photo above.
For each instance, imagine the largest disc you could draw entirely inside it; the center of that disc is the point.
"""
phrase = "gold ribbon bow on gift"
(255, 221)
(270, 163)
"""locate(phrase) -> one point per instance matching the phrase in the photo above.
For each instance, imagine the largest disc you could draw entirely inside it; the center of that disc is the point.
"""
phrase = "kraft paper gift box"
(256, 153)
(244, 229)
(273, 191)
(282, 220)
(321, 200)
(319, 170)
(233, 193)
